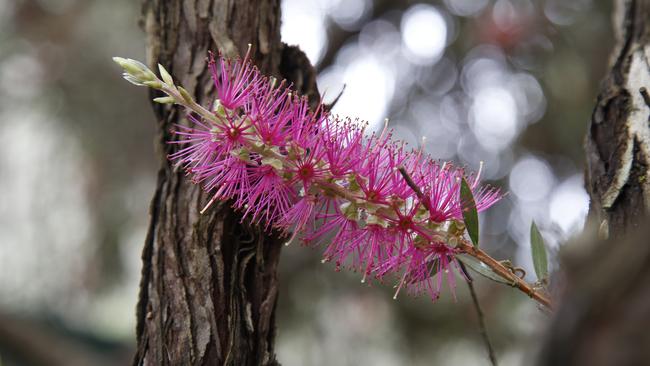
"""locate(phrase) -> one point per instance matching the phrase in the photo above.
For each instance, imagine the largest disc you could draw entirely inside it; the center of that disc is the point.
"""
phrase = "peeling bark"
(209, 283)
(604, 314)
(618, 140)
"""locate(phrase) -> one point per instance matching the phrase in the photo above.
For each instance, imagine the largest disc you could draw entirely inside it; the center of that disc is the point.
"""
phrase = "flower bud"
(273, 162)
(154, 84)
(167, 78)
(218, 108)
(164, 100)
(139, 71)
(185, 94)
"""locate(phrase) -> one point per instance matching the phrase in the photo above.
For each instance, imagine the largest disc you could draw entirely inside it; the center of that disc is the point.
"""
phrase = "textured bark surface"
(604, 315)
(618, 141)
(209, 286)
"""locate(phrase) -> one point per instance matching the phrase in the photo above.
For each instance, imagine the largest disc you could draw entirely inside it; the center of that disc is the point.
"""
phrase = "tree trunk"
(604, 316)
(209, 283)
(618, 141)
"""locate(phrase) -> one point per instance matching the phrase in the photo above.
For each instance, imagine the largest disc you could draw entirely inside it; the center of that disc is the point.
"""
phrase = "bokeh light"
(424, 33)
(569, 205)
(531, 179)
(304, 24)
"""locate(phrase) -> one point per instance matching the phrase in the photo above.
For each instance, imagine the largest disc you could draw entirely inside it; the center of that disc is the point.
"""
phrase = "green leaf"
(540, 262)
(482, 269)
(470, 215)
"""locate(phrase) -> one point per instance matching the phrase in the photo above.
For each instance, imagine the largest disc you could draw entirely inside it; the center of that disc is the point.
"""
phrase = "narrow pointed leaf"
(540, 261)
(482, 269)
(470, 215)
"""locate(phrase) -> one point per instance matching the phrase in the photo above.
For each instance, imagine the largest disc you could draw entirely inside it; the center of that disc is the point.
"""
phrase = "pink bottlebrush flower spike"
(321, 179)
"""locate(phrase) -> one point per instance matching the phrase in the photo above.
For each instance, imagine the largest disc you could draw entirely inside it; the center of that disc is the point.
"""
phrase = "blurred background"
(507, 82)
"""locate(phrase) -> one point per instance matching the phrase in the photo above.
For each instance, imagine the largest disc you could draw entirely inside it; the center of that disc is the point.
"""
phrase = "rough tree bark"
(618, 140)
(604, 315)
(209, 286)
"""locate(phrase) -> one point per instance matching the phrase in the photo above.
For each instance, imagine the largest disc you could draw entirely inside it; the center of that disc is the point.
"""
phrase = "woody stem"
(504, 272)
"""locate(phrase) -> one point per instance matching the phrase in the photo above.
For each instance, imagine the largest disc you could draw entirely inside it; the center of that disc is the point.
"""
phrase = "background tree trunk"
(618, 140)
(209, 285)
(604, 315)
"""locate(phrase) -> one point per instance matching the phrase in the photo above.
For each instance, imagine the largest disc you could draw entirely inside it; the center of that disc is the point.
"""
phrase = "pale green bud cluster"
(137, 73)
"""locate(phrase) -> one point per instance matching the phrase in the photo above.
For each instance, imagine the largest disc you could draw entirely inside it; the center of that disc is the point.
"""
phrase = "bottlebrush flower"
(268, 198)
(234, 80)
(322, 179)
(424, 268)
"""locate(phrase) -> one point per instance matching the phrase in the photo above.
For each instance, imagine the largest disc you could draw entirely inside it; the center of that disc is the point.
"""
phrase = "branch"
(504, 272)
(328, 107)
(412, 184)
(479, 313)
